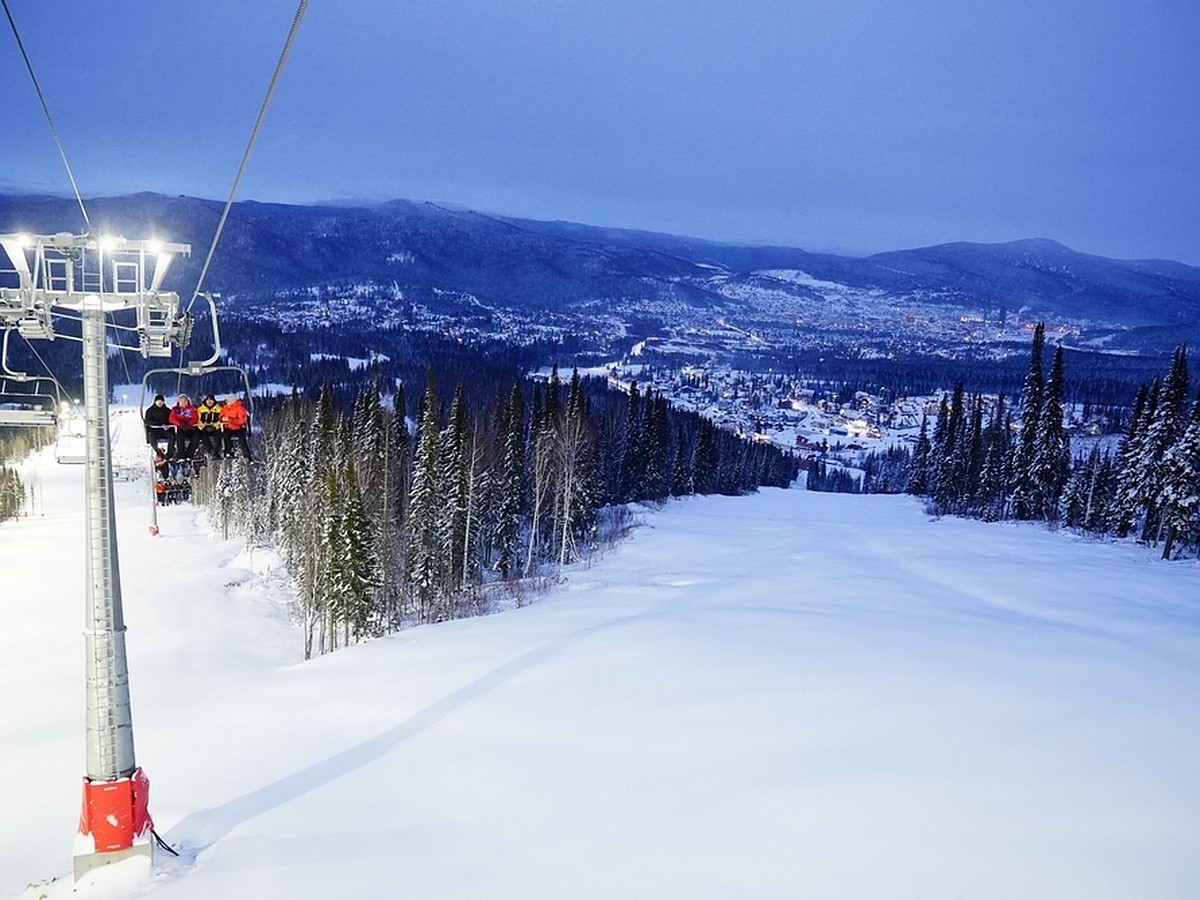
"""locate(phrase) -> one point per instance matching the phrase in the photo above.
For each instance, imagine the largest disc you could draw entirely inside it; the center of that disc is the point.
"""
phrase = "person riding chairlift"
(210, 426)
(234, 421)
(185, 418)
(158, 424)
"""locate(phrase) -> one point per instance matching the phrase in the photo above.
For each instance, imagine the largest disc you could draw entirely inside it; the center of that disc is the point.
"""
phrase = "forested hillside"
(385, 520)
(993, 459)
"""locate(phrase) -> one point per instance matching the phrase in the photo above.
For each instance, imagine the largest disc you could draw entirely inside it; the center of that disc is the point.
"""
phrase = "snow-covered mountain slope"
(783, 695)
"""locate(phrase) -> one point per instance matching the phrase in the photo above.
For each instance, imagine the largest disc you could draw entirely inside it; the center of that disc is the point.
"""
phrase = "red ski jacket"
(185, 418)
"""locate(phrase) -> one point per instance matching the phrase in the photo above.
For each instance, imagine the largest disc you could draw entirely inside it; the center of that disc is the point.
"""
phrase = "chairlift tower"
(95, 275)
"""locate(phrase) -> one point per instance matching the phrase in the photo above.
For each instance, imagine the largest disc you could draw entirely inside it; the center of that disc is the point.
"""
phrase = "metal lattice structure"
(95, 276)
(61, 270)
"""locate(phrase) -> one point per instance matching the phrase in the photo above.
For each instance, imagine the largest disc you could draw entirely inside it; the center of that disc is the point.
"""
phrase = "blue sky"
(848, 126)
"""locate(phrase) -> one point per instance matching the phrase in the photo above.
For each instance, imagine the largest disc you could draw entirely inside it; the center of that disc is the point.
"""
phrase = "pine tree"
(682, 475)
(222, 504)
(704, 475)
(552, 413)
(12, 493)
(993, 480)
(1025, 496)
(312, 525)
(634, 458)
(400, 444)
(476, 479)
(1074, 503)
(369, 446)
(1127, 499)
(357, 564)
(576, 502)
(918, 481)
(1181, 485)
(887, 472)
(335, 583)
(954, 487)
(1088, 492)
(286, 442)
(1100, 495)
(455, 489)
(1177, 389)
(508, 528)
(253, 506)
(423, 558)
(541, 493)
(940, 448)
(972, 487)
(1051, 455)
(1163, 430)
(656, 449)
(326, 424)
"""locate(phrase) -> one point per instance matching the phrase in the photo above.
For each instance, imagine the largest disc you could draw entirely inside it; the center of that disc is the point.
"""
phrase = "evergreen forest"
(989, 459)
(387, 516)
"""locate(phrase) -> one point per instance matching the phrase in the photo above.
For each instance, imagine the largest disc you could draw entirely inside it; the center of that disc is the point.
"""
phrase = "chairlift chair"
(27, 408)
(22, 403)
(70, 449)
(24, 409)
(191, 370)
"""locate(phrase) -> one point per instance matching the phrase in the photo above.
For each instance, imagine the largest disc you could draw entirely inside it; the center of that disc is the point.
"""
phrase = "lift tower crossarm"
(61, 270)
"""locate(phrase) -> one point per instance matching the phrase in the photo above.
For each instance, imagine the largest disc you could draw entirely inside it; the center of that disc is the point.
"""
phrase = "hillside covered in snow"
(785, 695)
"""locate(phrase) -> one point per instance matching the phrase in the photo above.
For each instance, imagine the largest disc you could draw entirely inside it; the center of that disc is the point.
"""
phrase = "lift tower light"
(96, 274)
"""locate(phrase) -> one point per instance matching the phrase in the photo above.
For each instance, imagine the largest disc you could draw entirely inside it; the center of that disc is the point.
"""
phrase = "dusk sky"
(845, 126)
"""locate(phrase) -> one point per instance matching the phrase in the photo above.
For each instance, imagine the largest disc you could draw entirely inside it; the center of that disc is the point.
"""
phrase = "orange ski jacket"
(233, 415)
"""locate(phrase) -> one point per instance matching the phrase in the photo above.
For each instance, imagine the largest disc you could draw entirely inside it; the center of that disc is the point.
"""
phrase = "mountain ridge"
(425, 251)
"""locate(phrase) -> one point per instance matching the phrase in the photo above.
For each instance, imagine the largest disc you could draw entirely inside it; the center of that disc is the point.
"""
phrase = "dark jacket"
(158, 416)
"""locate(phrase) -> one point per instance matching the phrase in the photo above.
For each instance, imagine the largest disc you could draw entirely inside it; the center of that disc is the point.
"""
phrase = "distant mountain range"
(1037, 273)
(271, 251)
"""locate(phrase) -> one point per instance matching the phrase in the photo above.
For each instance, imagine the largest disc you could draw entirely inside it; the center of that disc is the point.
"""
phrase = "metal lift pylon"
(97, 275)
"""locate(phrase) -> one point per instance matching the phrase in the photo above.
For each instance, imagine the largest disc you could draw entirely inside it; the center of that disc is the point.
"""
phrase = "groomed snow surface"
(787, 695)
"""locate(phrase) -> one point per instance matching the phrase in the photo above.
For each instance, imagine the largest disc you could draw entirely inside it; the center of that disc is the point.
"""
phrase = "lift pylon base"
(114, 824)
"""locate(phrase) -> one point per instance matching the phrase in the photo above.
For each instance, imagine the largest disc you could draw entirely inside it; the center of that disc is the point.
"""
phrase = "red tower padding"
(116, 813)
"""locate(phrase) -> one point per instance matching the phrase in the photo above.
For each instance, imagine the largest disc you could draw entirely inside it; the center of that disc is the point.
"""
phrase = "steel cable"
(46, 109)
(287, 49)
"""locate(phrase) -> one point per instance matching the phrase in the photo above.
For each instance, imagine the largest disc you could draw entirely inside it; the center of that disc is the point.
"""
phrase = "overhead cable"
(46, 109)
(262, 113)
